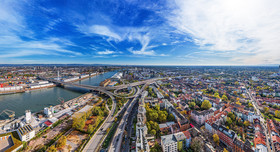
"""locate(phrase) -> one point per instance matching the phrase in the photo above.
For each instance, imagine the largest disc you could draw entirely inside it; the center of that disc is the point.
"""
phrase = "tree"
(266, 110)
(277, 113)
(61, 142)
(90, 128)
(229, 121)
(197, 144)
(69, 147)
(192, 105)
(154, 132)
(216, 139)
(224, 98)
(225, 150)
(238, 103)
(156, 148)
(162, 118)
(170, 117)
(51, 149)
(206, 105)
(250, 104)
(231, 115)
(246, 123)
(217, 95)
(79, 122)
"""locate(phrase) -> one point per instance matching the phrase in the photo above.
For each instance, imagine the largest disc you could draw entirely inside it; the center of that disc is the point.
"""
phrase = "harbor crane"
(8, 112)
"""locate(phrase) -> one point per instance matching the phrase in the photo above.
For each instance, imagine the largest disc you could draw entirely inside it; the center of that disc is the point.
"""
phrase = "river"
(36, 100)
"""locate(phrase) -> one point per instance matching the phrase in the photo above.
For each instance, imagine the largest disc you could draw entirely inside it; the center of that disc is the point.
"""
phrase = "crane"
(8, 112)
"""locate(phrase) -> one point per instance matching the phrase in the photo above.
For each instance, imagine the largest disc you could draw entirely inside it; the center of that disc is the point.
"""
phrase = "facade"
(27, 116)
(226, 136)
(141, 128)
(173, 142)
(169, 143)
(201, 116)
(26, 133)
(47, 112)
(188, 138)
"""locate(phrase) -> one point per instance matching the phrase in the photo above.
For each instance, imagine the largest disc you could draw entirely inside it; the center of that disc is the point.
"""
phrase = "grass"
(110, 135)
(116, 110)
(16, 140)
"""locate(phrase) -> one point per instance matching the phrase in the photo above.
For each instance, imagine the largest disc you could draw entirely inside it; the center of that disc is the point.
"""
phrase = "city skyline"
(140, 33)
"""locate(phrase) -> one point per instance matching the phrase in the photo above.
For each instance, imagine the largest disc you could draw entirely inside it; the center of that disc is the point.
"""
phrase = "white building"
(28, 116)
(260, 148)
(26, 133)
(47, 112)
(169, 143)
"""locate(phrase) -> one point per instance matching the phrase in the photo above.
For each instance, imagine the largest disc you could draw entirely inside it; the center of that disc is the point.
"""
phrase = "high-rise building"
(27, 116)
(279, 70)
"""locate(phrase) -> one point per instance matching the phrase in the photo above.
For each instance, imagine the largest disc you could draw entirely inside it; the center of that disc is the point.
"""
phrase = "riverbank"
(39, 88)
(60, 110)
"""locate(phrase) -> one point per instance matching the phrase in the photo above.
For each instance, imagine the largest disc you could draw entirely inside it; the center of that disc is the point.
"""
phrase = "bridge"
(102, 89)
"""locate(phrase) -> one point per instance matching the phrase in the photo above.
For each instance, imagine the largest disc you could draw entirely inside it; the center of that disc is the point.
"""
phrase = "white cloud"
(250, 27)
(106, 52)
(99, 30)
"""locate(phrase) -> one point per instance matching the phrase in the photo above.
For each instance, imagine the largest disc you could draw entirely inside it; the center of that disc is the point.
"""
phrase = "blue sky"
(134, 32)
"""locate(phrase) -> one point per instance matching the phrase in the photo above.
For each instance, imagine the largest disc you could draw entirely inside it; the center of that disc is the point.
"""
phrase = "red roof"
(187, 134)
(48, 123)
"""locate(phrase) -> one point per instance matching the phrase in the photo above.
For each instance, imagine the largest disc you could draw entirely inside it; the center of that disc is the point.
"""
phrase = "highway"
(115, 145)
(99, 135)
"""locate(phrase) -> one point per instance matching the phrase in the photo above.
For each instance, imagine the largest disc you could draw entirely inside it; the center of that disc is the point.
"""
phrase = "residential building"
(226, 136)
(26, 132)
(201, 116)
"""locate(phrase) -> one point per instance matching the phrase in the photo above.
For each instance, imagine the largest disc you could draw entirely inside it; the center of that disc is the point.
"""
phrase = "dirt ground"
(40, 142)
(74, 140)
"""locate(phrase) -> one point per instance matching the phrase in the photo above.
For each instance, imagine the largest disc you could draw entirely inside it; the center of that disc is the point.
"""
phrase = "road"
(263, 122)
(129, 129)
(115, 145)
(96, 140)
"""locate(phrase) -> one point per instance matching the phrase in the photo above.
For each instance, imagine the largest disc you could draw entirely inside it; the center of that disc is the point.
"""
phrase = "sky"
(134, 32)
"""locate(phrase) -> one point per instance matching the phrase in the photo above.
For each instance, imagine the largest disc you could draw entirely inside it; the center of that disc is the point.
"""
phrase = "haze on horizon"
(165, 32)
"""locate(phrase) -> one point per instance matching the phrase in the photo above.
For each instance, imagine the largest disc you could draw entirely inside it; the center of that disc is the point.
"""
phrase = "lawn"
(16, 140)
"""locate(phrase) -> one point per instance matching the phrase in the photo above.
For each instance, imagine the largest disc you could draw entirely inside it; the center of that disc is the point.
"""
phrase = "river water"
(36, 100)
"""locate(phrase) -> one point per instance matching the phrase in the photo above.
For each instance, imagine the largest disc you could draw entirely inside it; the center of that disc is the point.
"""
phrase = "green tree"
(170, 117)
(61, 142)
(51, 149)
(90, 128)
(216, 139)
(156, 148)
(162, 118)
(197, 144)
(277, 113)
(224, 98)
(153, 132)
(246, 123)
(79, 122)
(250, 105)
(206, 105)
(266, 110)
(231, 115)
(229, 121)
(217, 95)
(192, 105)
